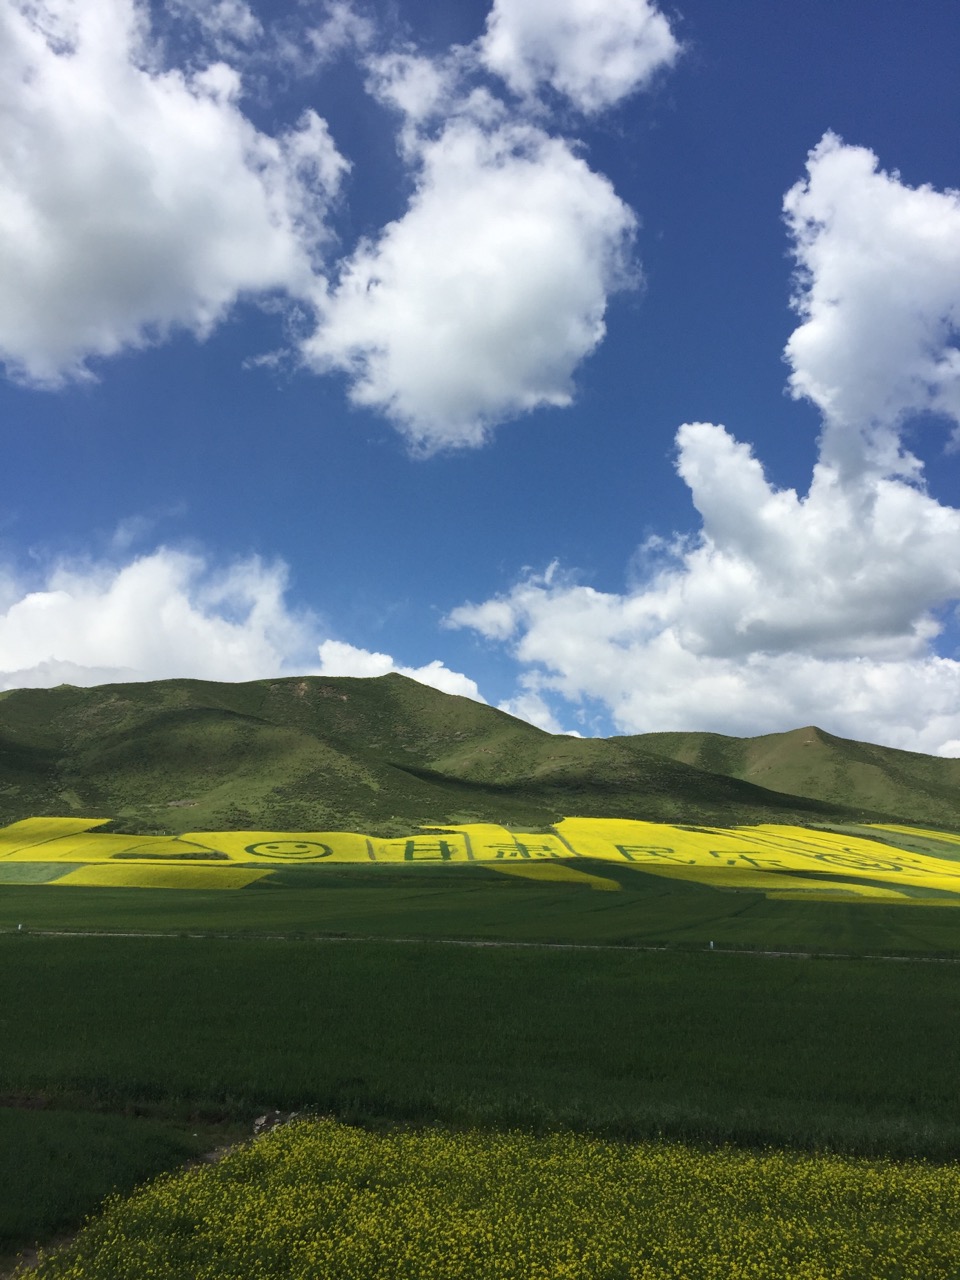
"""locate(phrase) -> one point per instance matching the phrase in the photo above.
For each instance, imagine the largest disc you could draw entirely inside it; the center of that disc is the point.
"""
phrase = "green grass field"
(43, 1151)
(473, 901)
(691, 1045)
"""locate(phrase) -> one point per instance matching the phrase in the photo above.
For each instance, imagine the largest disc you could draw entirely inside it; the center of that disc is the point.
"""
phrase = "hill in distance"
(810, 762)
(385, 755)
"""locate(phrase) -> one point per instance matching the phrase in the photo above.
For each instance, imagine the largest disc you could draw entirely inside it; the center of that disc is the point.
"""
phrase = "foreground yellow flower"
(323, 1201)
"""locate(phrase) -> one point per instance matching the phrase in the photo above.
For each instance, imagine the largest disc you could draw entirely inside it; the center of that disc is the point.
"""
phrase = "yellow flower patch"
(487, 842)
(143, 875)
(767, 856)
(31, 832)
(323, 1201)
(74, 840)
(945, 837)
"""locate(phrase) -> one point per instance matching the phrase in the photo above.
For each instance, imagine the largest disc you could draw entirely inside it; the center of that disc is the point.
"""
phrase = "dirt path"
(28, 1258)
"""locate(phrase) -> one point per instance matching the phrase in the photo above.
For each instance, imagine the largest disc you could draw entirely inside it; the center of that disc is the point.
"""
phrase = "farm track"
(473, 942)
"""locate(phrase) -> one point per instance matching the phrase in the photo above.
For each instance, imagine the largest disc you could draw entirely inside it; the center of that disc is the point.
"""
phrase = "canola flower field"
(320, 1200)
(875, 863)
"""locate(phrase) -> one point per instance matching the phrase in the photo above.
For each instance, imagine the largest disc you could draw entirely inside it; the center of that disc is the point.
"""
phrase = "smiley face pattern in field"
(290, 850)
(894, 864)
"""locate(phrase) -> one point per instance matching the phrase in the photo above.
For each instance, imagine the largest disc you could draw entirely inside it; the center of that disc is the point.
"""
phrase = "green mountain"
(380, 755)
(809, 762)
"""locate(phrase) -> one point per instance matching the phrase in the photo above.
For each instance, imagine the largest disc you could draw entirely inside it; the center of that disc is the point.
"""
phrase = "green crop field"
(473, 901)
(625, 1042)
(55, 1165)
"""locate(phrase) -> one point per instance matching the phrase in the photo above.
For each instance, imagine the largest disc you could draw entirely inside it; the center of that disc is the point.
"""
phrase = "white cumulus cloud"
(169, 613)
(792, 608)
(478, 304)
(595, 52)
(878, 293)
(415, 86)
(338, 658)
(529, 705)
(160, 615)
(138, 199)
(135, 200)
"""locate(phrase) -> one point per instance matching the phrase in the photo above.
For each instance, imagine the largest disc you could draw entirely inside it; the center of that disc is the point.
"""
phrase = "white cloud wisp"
(338, 658)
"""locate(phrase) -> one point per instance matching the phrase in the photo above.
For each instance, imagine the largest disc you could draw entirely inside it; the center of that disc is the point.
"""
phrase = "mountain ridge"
(386, 754)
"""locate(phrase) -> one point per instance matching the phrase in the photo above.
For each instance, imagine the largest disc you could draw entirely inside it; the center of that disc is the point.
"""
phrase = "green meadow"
(476, 902)
(855, 1055)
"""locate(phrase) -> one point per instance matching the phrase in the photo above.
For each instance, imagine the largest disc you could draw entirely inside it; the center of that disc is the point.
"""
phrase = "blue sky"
(477, 341)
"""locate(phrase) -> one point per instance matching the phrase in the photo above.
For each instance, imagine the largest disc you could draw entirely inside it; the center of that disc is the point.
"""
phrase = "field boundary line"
(770, 953)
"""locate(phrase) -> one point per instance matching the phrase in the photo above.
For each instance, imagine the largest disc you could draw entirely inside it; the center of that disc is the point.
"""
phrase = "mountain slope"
(810, 762)
(318, 753)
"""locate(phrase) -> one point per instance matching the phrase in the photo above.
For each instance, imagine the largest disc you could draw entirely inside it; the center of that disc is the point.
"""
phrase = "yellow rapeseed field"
(770, 858)
(75, 840)
(30, 831)
(121, 875)
(785, 861)
(322, 1201)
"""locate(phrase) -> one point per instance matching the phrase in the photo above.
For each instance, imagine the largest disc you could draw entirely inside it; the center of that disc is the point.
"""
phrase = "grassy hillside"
(809, 762)
(317, 753)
